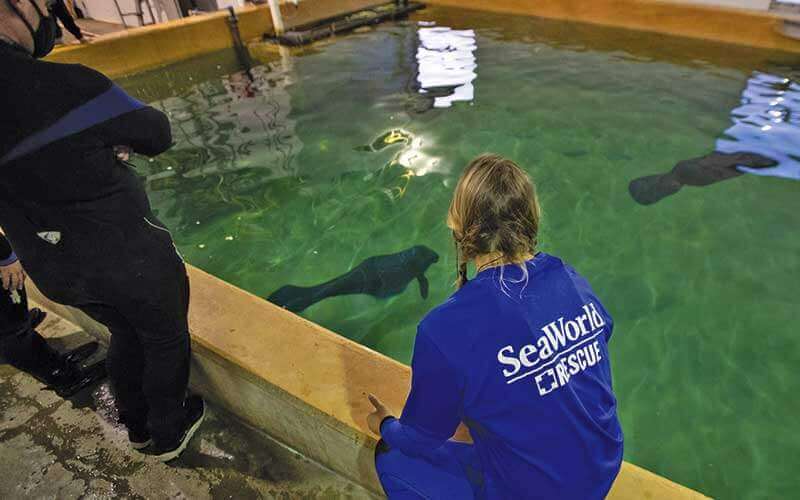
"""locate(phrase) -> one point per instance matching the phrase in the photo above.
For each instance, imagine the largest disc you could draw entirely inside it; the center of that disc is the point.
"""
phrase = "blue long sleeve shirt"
(524, 364)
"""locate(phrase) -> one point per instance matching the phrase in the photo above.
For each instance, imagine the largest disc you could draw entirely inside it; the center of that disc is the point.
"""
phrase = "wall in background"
(106, 10)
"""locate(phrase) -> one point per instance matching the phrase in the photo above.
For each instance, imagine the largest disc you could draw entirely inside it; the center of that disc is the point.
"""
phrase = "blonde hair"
(494, 210)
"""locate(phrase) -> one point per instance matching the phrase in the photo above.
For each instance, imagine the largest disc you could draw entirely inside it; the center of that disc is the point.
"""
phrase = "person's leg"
(451, 473)
(165, 380)
(702, 171)
(145, 281)
(19, 343)
(162, 331)
(125, 365)
(25, 349)
(60, 11)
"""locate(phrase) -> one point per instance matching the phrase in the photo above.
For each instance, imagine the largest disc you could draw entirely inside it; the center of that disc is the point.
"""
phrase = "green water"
(268, 186)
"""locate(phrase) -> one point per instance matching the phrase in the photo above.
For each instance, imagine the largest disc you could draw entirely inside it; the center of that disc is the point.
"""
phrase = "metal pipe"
(121, 15)
(150, 10)
(241, 50)
(277, 18)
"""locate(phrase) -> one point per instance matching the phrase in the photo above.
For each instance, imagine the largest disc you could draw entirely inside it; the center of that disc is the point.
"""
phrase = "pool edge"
(737, 26)
(149, 47)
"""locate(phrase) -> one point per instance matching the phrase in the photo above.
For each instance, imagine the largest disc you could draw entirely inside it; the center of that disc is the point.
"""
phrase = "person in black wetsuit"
(80, 221)
(23, 347)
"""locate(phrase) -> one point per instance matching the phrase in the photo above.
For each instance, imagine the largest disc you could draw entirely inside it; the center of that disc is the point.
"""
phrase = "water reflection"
(447, 65)
(231, 136)
(767, 123)
(764, 140)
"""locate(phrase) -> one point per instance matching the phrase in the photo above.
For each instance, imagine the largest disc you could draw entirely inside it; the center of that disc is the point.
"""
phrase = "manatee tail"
(293, 298)
(652, 188)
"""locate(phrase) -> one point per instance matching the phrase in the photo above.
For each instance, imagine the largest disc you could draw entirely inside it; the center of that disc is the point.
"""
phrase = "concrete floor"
(55, 448)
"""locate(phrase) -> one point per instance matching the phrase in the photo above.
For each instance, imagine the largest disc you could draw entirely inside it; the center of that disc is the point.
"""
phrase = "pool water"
(350, 149)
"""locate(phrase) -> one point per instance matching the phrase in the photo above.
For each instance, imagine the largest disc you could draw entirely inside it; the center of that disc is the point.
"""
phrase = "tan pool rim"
(751, 28)
(139, 49)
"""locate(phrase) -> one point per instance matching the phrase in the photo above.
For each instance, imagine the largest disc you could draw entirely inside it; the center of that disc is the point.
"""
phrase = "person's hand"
(376, 417)
(123, 152)
(12, 276)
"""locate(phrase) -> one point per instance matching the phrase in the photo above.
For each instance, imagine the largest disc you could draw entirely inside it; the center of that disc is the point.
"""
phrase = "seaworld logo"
(567, 348)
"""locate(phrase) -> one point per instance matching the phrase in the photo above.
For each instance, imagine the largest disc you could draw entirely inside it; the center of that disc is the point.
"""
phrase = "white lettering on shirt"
(567, 348)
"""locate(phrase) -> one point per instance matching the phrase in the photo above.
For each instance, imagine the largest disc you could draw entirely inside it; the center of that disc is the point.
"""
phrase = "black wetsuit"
(81, 224)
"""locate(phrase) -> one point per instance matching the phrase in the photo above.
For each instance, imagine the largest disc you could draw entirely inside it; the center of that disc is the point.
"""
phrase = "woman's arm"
(433, 409)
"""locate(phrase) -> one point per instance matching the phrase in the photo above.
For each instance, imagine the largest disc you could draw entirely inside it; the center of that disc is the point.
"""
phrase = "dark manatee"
(702, 171)
(381, 276)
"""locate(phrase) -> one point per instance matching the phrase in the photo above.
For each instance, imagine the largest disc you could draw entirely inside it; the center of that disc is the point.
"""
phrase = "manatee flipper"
(423, 285)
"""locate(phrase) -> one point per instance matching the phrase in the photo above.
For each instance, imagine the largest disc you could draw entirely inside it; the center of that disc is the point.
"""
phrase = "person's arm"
(113, 117)
(143, 129)
(433, 409)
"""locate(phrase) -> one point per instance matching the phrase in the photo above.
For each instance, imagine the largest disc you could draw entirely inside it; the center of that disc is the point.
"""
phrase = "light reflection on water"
(767, 123)
(446, 60)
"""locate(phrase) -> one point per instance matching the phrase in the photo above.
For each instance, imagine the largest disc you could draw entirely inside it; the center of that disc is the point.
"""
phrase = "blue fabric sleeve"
(584, 288)
(433, 409)
(7, 255)
(609, 320)
(9, 260)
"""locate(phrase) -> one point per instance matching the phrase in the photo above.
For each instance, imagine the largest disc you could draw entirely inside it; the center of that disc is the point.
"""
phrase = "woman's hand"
(375, 418)
(12, 276)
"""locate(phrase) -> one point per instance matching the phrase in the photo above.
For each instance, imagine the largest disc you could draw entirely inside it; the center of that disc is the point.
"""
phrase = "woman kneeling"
(519, 354)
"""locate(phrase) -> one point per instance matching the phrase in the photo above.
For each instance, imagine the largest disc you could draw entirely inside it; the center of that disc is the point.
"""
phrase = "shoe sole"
(140, 446)
(173, 454)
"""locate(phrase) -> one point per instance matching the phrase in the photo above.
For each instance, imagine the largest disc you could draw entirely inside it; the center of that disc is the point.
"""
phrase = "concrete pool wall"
(303, 384)
(706, 22)
(138, 49)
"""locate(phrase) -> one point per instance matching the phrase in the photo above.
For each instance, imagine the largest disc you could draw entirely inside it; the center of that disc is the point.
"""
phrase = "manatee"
(381, 276)
(702, 171)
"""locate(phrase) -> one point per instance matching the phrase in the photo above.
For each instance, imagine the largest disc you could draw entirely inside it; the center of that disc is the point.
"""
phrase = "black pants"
(113, 259)
(20, 345)
(62, 13)
(148, 356)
